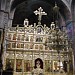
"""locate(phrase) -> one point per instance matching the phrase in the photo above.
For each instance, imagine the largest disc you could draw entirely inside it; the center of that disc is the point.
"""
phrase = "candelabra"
(58, 39)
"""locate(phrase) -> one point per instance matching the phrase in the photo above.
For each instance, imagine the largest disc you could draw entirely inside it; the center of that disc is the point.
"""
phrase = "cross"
(40, 12)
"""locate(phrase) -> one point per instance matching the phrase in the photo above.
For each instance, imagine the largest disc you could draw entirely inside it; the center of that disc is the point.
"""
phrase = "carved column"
(14, 63)
(23, 64)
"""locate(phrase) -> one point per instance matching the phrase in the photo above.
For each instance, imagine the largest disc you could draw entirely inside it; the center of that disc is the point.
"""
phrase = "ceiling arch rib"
(68, 4)
(15, 3)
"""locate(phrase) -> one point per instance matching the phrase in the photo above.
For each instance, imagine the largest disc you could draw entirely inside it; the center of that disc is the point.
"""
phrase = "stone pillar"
(3, 24)
(73, 18)
(4, 13)
(6, 17)
(3, 19)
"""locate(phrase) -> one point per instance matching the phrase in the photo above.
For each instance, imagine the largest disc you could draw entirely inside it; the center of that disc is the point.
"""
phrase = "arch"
(68, 4)
(65, 13)
(17, 2)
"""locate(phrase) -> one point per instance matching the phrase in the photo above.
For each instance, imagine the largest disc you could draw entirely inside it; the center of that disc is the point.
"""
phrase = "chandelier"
(57, 39)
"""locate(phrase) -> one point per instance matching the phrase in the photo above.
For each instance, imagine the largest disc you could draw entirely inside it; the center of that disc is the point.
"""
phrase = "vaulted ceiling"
(25, 9)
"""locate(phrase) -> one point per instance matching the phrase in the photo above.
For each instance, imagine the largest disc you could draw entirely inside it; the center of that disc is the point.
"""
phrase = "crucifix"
(40, 12)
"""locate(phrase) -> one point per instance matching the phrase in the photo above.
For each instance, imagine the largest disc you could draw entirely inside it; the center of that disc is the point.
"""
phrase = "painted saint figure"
(38, 69)
(19, 65)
